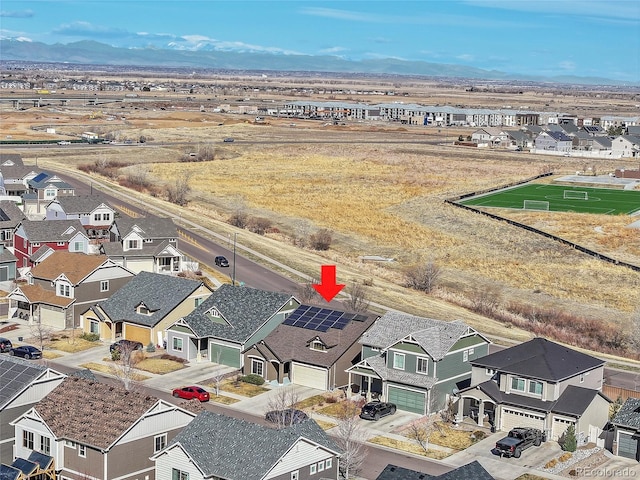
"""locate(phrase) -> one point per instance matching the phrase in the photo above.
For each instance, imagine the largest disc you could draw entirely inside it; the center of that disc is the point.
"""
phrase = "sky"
(587, 38)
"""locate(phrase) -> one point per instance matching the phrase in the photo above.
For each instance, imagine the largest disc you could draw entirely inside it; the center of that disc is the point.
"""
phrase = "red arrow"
(328, 287)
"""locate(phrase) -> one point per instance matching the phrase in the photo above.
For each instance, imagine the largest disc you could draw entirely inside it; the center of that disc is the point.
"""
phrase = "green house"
(416, 362)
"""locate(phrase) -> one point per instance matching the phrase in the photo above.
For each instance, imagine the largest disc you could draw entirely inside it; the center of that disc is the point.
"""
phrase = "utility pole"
(233, 275)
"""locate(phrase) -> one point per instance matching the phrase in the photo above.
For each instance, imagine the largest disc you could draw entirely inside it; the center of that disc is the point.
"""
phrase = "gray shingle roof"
(470, 471)
(15, 375)
(79, 204)
(234, 449)
(115, 249)
(436, 337)
(14, 158)
(540, 358)
(574, 400)
(379, 365)
(243, 310)
(629, 414)
(10, 214)
(160, 293)
(151, 226)
(40, 183)
(51, 230)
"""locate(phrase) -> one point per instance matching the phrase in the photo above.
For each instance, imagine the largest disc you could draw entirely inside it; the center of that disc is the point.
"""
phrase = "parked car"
(191, 392)
(376, 410)
(221, 261)
(26, 351)
(127, 345)
(288, 416)
(5, 345)
(228, 140)
(517, 440)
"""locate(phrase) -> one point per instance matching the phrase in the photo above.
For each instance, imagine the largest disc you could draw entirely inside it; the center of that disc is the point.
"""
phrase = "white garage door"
(309, 376)
(52, 318)
(560, 426)
(516, 418)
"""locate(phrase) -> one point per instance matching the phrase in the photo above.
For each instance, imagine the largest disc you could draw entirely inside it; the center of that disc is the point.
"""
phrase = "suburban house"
(10, 217)
(490, 136)
(518, 139)
(15, 176)
(147, 244)
(144, 308)
(24, 383)
(215, 446)
(626, 146)
(470, 471)
(416, 363)
(95, 215)
(43, 188)
(313, 347)
(227, 323)
(63, 286)
(8, 267)
(99, 431)
(31, 235)
(553, 141)
(539, 384)
(626, 425)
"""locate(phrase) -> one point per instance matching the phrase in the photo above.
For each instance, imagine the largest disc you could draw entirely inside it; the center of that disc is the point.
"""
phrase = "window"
(398, 361)
(82, 451)
(257, 367)
(490, 372)
(77, 246)
(97, 217)
(312, 469)
(471, 351)
(465, 356)
(318, 345)
(177, 344)
(49, 193)
(179, 475)
(295, 475)
(159, 442)
(143, 310)
(517, 384)
(198, 301)
(70, 444)
(27, 440)
(132, 244)
(582, 378)
(535, 387)
(64, 290)
(327, 464)
(104, 286)
(106, 217)
(93, 327)
(321, 465)
(45, 445)
(423, 365)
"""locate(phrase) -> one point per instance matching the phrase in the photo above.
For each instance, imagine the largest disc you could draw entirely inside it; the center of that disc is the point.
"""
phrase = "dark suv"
(127, 345)
(5, 345)
(221, 261)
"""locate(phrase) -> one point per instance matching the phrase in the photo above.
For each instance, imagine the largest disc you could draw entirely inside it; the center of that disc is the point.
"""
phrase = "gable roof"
(116, 249)
(51, 230)
(217, 454)
(79, 204)
(10, 214)
(242, 311)
(159, 293)
(289, 342)
(558, 136)
(436, 337)
(150, 226)
(470, 471)
(92, 413)
(540, 358)
(74, 265)
(629, 414)
(45, 179)
(17, 374)
(575, 400)
(37, 294)
(11, 159)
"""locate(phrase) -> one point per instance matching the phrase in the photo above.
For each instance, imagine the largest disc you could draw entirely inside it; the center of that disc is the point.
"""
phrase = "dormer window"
(318, 346)
(214, 312)
(64, 290)
(143, 310)
(132, 244)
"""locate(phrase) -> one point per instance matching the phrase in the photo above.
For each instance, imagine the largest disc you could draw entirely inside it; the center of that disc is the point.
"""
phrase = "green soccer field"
(592, 200)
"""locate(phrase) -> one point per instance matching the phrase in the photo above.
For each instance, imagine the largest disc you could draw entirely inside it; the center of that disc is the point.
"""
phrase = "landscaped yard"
(446, 436)
(158, 365)
(408, 447)
(99, 367)
(224, 400)
(240, 388)
(70, 344)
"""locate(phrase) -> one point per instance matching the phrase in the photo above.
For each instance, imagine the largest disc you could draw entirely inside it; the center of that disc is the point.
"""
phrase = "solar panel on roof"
(321, 319)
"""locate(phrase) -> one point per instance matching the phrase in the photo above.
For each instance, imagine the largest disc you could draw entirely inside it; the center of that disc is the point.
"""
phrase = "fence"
(614, 392)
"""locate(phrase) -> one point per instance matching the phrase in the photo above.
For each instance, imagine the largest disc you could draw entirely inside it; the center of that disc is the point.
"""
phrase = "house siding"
(369, 352)
(176, 458)
(270, 324)
(299, 457)
(78, 467)
(7, 432)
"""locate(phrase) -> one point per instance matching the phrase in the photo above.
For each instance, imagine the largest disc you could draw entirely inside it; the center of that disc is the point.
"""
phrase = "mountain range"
(89, 52)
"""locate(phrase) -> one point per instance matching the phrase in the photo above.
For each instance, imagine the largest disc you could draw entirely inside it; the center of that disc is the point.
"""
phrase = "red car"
(192, 392)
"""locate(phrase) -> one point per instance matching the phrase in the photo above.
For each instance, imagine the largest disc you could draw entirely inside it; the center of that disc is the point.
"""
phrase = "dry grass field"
(380, 189)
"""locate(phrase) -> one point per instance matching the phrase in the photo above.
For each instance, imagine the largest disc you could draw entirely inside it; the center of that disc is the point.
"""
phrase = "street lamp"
(233, 275)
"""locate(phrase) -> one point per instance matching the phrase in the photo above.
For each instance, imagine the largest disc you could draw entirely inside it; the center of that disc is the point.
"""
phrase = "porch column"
(481, 414)
(460, 414)
(349, 392)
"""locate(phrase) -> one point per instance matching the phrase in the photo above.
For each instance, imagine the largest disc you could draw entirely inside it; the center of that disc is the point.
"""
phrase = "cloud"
(333, 50)
(567, 65)
(82, 29)
(16, 13)
(465, 57)
(202, 42)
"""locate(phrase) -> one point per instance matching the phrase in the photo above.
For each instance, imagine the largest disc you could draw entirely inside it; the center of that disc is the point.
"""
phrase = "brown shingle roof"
(75, 266)
(92, 413)
(37, 294)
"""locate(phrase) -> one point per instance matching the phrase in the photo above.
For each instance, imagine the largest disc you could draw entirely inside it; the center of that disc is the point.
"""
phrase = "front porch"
(479, 410)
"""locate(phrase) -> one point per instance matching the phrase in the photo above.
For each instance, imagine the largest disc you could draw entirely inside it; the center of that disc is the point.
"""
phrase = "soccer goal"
(575, 195)
(536, 205)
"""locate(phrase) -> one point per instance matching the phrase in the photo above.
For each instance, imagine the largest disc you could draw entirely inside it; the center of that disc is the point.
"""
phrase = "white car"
(64, 142)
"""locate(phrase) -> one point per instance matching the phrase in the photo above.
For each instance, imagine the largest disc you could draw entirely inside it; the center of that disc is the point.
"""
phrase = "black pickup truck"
(517, 440)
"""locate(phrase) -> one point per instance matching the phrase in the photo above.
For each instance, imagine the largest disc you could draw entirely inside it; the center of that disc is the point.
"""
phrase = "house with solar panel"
(22, 385)
(43, 188)
(313, 347)
(553, 141)
(226, 323)
(417, 363)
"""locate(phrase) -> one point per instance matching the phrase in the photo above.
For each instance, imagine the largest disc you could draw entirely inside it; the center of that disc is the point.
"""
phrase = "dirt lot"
(380, 189)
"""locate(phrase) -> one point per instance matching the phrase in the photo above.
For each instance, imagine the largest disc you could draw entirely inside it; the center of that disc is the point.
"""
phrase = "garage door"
(224, 355)
(516, 418)
(137, 334)
(53, 318)
(309, 376)
(560, 426)
(407, 400)
(628, 446)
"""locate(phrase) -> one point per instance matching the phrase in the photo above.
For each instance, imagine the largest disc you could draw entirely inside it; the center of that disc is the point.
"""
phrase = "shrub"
(90, 337)
(332, 399)
(321, 240)
(238, 219)
(252, 378)
(151, 347)
(565, 456)
(115, 355)
(258, 225)
(173, 358)
(551, 463)
(478, 435)
(568, 441)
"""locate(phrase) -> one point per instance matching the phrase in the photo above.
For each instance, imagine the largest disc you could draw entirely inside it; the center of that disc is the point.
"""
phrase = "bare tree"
(307, 294)
(285, 399)
(41, 332)
(633, 337)
(125, 358)
(302, 231)
(218, 374)
(486, 301)
(358, 300)
(350, 438)
(423, 277)
(178, 193)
